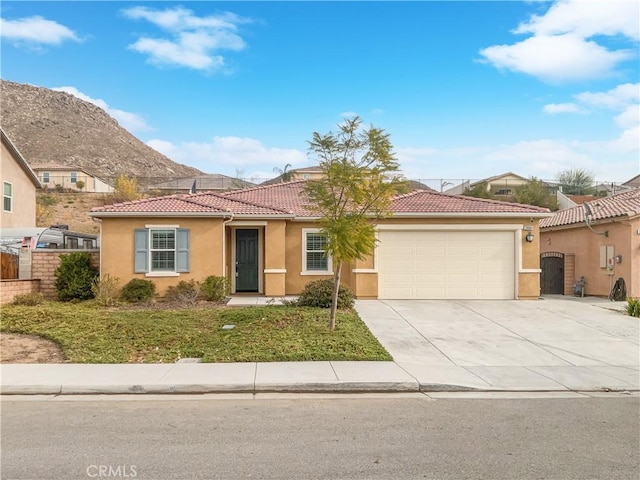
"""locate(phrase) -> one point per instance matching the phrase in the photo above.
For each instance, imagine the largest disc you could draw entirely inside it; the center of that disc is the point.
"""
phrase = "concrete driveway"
(577, 344)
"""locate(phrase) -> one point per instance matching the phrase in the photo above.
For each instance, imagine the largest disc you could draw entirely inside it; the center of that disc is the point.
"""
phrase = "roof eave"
(161, 214)
(470, 214)
(24, 165)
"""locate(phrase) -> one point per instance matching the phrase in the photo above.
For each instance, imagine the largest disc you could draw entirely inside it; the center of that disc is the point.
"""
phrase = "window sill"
(161, 274)
(317, 273)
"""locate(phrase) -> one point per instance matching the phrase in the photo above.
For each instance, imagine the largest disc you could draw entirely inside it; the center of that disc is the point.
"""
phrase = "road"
(393, 437)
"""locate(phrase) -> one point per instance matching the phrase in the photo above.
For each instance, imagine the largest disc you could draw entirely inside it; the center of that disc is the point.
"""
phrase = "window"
(45, 177)
(306, 176)
(161, 250)
(74, 177)
(7, 196)
(315, 261)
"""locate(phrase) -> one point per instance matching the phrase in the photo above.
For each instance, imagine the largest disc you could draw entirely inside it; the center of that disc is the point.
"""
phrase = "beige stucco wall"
(23, 211)
(117, 248)
(63, 178)
(585, 245)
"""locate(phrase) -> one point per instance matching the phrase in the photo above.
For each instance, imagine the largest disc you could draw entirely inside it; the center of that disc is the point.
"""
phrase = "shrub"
(75, 276)
(185, 292)
(126, 189)
(215, 289)
(28, 299)
(79, 184)
(138, 290)
(318, 294)
(633, 307)
(105, 289)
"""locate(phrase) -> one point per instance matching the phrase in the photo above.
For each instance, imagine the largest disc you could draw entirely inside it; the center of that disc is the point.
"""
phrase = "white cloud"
(348, 114)
(36, 31)
(194, 42)
(553, 108)
(563, 45)
(130, 121)
(556, 58)
(586, 18)
(226, 154)
(616, 98)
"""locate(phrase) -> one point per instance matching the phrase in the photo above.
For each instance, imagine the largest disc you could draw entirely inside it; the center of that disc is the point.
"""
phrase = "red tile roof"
(422, 201)
(289, 199)
(210, 203)
(622, 204)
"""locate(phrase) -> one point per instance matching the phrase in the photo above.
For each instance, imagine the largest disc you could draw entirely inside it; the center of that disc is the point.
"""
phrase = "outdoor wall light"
(529, 237)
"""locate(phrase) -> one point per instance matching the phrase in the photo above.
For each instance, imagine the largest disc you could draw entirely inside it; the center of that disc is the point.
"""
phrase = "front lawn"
(88, 333)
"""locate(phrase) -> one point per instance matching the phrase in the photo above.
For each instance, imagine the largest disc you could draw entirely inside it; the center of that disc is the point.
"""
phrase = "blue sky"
(466, 90)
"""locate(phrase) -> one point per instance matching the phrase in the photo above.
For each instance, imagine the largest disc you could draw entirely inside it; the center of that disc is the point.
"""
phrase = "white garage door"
(446, 265)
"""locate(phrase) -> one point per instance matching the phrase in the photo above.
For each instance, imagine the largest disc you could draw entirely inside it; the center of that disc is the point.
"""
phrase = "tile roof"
(622, 204)
(289, 199)
(422, 201)
(288, 195)
(205, 203)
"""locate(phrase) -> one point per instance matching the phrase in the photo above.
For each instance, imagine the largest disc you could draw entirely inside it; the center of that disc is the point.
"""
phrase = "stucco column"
(274, 258)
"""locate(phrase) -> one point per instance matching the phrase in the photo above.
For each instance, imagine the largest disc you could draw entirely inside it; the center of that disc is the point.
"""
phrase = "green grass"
(88, 333)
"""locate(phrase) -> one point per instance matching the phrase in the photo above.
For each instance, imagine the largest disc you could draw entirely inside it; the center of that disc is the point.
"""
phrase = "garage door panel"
(446, 264)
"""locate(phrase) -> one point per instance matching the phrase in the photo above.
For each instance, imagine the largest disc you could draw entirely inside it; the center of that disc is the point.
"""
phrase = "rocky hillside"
(50, 127)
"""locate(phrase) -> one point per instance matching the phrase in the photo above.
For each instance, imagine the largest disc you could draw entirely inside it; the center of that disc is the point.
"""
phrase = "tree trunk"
(334, 298)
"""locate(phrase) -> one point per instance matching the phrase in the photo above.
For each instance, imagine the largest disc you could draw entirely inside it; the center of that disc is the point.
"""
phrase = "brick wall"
(44, 263)
(10, 288)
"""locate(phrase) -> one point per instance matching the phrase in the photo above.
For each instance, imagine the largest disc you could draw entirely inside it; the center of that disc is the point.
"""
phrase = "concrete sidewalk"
(554, 345)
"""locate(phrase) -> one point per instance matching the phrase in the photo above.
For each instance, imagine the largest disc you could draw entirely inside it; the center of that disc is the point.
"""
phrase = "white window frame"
(328, 271)
(73, 177)
(46, 177)
(153, 271)
(5, 196)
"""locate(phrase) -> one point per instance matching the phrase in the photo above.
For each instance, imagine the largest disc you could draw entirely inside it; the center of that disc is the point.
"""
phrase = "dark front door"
(246, 260)
(552, 278)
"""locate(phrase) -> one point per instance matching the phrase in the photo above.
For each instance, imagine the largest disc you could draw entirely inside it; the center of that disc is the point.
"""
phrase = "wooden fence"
(10, 265)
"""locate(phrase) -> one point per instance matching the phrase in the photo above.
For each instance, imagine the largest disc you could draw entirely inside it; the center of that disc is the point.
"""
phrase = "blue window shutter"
(182, 250)
(141, 250)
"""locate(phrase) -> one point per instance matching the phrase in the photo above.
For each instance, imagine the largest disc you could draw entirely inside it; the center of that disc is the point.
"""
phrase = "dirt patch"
(16, 348)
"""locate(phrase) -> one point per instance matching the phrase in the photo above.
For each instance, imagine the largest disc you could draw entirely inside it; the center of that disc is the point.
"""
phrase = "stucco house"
(51, 175)
(598, 240)
(267, 241)
(19, 184)
(503, 184)
(304, 173)
(632, 182)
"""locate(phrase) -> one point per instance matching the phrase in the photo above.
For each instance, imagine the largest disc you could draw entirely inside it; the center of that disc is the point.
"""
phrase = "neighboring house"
(19, 184)
(599, 240)
(306, 173)
(504, 184)
(205, 183)
(632, 183)
(266, 240)
(68, 177)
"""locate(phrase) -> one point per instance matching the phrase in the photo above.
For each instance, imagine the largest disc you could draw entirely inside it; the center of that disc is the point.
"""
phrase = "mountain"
(50, 127)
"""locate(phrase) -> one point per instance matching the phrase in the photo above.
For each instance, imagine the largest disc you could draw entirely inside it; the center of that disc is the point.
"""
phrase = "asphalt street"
(406, 436)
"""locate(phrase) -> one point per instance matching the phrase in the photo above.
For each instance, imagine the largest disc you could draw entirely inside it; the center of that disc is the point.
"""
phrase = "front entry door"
(246, 260)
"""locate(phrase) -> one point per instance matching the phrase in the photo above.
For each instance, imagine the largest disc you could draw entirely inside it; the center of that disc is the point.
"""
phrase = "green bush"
(138, 290)
(28, 299)
(185, 292)
(633, 306)
(318, 294)
(215, 289)
(75, 276)
(105, 289)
